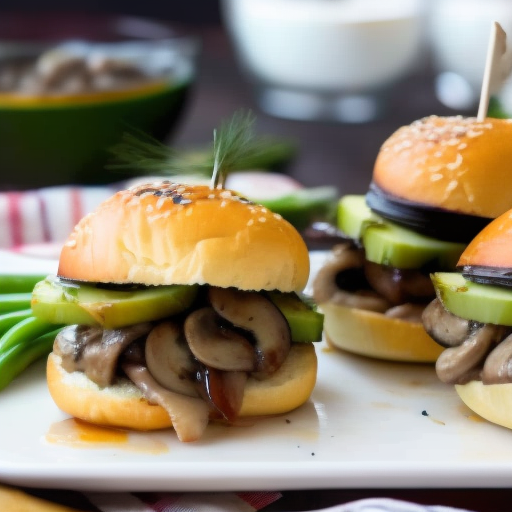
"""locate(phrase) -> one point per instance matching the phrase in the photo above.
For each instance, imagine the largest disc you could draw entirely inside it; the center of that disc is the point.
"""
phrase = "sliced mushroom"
(189, 415)
(253, 312)
(444, 327)
(223, 390)
(169, 359)
(399, 285)
(407, 312)
(455, 362)
(342, 281)
(71, 341)
(96, 351)
(216, 345)
(498, 365)
(100, 359)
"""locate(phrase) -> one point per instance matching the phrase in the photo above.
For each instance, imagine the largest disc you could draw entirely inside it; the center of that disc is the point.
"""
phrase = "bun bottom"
(122, 405)
(375, 335)
(492, 402)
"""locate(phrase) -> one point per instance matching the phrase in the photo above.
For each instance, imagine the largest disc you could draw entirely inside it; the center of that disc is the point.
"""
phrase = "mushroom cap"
(492, 247)
(455, 163)
(168, 233)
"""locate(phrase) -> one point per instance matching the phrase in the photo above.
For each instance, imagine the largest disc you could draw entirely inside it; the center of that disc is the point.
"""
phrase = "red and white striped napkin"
(183, 502)
(240, 502)
(45, 215)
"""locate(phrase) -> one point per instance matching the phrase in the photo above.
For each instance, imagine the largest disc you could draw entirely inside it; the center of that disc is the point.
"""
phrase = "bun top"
(168, 233)
(492, 247)
(453, 163)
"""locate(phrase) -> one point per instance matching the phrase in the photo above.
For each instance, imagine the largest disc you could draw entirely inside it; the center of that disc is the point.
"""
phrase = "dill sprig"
(235, 147)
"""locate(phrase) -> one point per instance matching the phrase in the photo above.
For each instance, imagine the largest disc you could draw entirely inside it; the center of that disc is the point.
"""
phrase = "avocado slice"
(69, 303)
(473, 301)
(306, 324)
(388, 244)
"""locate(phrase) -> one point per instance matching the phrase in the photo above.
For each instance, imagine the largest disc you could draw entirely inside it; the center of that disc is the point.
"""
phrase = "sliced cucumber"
(62, 303)
(386, 243)
(306, 324)
(473, 301)
(389, 244)
(354, 215)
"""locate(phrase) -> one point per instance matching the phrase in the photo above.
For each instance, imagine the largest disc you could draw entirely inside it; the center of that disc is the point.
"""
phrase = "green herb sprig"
(235, 147)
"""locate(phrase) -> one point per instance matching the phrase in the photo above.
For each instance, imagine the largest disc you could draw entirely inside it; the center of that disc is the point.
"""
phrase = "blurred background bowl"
(333, 60)
(71, 86)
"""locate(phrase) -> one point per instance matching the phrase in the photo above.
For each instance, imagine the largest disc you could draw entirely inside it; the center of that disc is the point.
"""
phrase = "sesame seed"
(262, 219)
(251, 222)
(71, 243)
(454, 165)
(160, 202)
(277, 216)
(149, 208)
(452, 185)
(436, 177)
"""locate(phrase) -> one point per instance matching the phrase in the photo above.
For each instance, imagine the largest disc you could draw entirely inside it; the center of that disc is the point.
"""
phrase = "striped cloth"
(182, 502)
(45, 215)
(239, 502)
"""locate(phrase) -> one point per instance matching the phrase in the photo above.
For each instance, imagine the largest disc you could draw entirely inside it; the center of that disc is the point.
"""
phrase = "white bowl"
(331, 48)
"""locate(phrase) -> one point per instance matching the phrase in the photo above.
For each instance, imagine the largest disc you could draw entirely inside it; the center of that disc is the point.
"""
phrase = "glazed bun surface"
(122, 405)
(372, 334)
(453, 163)
(186, 234)
(491, 247)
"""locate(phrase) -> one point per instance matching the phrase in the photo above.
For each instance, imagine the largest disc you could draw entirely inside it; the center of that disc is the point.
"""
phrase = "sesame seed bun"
(186, 234)
(454, 163)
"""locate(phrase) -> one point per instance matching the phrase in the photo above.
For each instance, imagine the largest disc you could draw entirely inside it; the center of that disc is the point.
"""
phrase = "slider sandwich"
(436, 183)
(471, 319)
(183, 304)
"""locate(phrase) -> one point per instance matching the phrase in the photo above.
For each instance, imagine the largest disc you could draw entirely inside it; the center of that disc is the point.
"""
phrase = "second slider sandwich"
(436, 183)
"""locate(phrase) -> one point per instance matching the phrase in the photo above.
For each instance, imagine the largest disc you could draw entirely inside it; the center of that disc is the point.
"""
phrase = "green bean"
(7, 320)
(19, 356)
(19, 283)
(27, 329)
(14, 302)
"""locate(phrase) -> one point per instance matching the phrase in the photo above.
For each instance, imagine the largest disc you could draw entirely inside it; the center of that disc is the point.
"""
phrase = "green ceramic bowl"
(65, 138)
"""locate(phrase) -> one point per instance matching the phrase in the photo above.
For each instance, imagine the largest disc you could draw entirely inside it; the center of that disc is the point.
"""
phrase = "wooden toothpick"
(495, 71)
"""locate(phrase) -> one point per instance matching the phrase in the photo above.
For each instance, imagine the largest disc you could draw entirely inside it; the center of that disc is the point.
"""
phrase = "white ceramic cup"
(325, 59)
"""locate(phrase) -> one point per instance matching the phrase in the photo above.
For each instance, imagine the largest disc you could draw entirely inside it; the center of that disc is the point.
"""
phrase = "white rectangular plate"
(368, 424)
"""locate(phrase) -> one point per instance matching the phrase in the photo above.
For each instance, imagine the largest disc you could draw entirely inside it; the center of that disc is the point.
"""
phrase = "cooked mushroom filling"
(474, 351)
(205, 356)
(350, 280)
